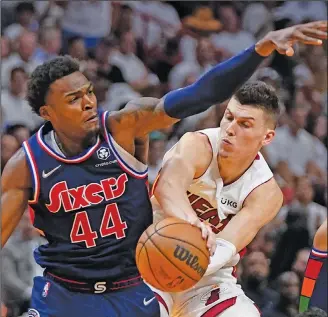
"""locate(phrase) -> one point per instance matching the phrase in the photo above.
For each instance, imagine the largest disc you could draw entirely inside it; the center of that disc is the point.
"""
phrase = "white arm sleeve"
(224, 252)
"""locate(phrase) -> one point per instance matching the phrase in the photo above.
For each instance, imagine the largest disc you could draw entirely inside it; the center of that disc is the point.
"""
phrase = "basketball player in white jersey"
(217, 180)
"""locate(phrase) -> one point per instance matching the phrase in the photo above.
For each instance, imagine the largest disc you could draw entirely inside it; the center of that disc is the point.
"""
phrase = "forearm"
(240, 231)
(173, 200)
(12, 211)
(213, 87)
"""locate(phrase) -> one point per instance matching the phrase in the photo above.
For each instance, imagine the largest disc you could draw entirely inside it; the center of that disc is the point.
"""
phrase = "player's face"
(72, 106)
(244, 130)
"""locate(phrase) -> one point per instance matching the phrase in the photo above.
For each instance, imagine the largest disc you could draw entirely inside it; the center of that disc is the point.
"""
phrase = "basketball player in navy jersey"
(314, 290)
(84, 174)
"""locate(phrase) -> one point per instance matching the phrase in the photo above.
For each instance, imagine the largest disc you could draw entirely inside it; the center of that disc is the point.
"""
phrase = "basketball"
(171, 255)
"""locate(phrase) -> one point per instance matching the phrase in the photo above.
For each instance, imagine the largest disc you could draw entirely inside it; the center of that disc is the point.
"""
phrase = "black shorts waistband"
(93, 287)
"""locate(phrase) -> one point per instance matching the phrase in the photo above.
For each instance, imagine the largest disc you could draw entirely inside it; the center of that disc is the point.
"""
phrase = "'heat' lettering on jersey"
(205, 211)
(84, 196)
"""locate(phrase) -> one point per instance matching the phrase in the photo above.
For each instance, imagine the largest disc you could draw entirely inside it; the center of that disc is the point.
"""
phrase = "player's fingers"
(204, 230)
(318, 34)
(322, 25)
(299, 36)
(211, 243)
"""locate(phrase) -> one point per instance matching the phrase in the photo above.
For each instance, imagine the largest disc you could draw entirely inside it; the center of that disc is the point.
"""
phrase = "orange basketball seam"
(206, 255)
(149, 236)
(171, 261)
(152, 272)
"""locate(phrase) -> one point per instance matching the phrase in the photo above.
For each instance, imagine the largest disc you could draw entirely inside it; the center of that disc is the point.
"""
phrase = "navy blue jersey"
(92, 208)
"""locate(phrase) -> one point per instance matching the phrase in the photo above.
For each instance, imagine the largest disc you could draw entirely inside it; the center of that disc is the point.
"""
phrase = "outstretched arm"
(16, 184)
(142, 116)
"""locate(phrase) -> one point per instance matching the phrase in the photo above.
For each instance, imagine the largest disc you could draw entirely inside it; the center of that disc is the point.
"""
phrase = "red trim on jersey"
(162, 301)
(65, 279)
(219, 308)
(58, 157)
(35, 173)
(254, 189)
(124, 166)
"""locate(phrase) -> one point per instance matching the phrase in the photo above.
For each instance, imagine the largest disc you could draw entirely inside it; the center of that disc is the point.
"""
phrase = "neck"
(231, 168)
(293, 129)
(72, 147)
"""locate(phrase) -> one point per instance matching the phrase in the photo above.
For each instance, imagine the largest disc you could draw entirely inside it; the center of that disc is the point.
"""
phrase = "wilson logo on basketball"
(191, 260)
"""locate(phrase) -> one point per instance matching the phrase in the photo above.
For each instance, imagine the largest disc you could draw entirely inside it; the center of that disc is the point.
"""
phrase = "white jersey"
(217, 204)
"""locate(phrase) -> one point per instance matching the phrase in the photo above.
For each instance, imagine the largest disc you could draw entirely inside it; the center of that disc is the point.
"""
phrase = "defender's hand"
(207, 233)
(282, 40)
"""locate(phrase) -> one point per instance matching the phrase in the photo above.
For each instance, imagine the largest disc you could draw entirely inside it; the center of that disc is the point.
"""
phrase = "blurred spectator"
(90, 19)
(50, 12)
(315, 214)
(20, 132)
(289, 289)
(257, 18)
(25, 21)
(20, 266)
(133, 69)
(299, 11)
(15, 108)
(300, 263)
(232, 38)
(200, 24)
(49, 44)
(76, 48)
(255, 283)
(295, 236)
(157, 143)
(286, 152)
(26, 44)
(5, 48)
(102, 56)
(205, 60)
(153, 22)
(3, 310)
(9, 146)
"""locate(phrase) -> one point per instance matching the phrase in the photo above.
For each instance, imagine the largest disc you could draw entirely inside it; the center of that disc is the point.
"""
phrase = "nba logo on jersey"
(103, 153)
(46, 289)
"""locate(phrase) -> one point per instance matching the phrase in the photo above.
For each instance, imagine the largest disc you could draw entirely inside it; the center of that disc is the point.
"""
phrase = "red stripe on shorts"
(219, 308)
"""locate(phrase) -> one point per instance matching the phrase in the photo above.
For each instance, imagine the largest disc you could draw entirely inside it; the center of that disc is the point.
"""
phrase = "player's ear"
(44, 112)
(268, 137)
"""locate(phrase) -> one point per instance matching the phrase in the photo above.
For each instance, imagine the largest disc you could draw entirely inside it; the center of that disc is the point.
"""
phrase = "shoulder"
(16, 172)
(267, 193)
(193, 147)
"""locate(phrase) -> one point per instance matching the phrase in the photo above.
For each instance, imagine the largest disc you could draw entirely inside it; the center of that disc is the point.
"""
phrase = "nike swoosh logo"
(45, 175)
(147, 302)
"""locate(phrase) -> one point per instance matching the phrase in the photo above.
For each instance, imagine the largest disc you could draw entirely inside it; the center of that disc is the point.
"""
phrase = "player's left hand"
(282, 40)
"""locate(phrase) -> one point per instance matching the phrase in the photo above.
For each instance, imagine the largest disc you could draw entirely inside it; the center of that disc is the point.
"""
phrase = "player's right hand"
(207, 233)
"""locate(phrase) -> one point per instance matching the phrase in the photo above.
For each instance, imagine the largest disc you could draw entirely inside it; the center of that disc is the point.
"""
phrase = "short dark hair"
(313, 312)
(73, 39)
(261, 95)
(17, 70)
(24, 6)
(44, 75)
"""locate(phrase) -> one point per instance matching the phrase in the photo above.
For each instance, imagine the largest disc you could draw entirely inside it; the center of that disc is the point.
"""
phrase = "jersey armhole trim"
(123, 164)
(34, 172)
(209, 142)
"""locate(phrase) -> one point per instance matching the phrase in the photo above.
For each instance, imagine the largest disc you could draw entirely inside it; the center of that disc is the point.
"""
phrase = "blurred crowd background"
(146, 48)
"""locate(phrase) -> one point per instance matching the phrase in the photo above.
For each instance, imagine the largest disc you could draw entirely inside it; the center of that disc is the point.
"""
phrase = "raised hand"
(282, 40)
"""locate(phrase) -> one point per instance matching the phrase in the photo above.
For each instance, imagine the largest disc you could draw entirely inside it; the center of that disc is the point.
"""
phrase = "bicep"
(264, 203)
(15, 193)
